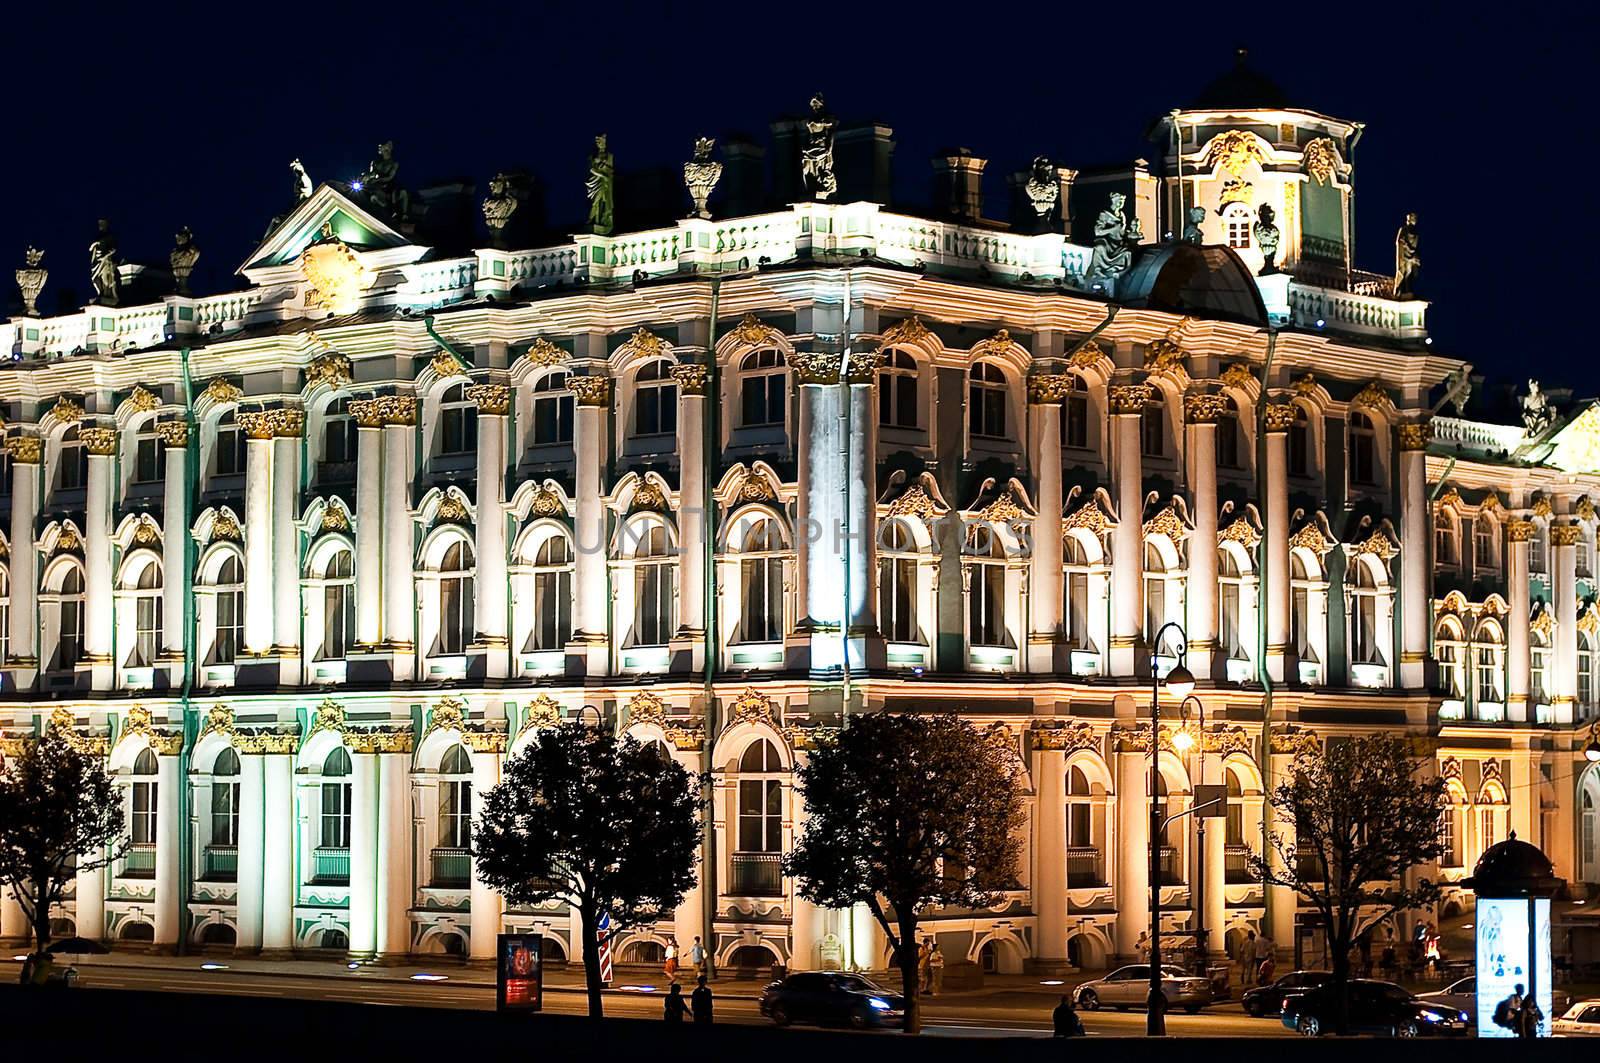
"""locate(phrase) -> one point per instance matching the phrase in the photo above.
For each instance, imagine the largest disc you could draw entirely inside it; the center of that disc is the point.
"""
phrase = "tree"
(906, 812)
(610, 826)
(57, 802)
(1363, 820)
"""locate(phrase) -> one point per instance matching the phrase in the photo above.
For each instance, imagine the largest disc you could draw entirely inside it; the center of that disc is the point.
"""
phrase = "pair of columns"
(381, 865)
(385, 539)
(272, 538)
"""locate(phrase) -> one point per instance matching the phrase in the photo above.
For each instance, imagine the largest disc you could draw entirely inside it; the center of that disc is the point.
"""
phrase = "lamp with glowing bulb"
(1179, 682)
(1591, 752)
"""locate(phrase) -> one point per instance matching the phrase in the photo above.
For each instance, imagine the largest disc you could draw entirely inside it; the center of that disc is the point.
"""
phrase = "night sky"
(156, 117)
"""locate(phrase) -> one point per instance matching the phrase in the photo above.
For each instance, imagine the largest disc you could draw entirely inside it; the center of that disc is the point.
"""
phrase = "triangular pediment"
(327, 212)
(1575, 447)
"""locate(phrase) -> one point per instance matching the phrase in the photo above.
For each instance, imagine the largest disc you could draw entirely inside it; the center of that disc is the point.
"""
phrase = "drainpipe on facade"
(1433, 496)
(1261, 616)
(709, 459)
(844, 490)
(190, 725)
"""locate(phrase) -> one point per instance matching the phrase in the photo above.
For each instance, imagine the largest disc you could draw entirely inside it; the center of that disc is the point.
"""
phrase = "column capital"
(397, 409)
(367, 412)
(281, 423)
(1129, 398)
(863, 367)
(1565, 534)
(1415, 436)
(1280, 416)
(816, 367)
(99, 442)
(173, 434)
(691, 377)
(590, 390)
(25, 450)
(1046, 388)
(1204, 408)
(1520, 531)
(491, 398)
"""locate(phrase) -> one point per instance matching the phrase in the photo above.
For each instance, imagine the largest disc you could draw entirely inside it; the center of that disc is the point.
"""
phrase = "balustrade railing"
(757, 875)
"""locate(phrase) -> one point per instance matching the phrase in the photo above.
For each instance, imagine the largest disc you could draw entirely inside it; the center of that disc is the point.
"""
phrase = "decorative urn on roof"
(1514, 882)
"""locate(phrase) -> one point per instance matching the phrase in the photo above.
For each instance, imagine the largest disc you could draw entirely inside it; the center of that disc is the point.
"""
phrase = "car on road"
(1580, 1020)
(1461, 994)
(1129, 987)
(1268, 999)
(1376, 1007)
(831, 997)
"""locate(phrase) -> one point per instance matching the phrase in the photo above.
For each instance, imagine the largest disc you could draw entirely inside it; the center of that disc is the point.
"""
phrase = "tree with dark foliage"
(906, 812)
(1363, 820)
(57, 802)
(609, 825)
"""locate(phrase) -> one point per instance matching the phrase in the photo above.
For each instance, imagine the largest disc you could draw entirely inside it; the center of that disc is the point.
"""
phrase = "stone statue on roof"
(1407, 262)
(380, 184)
(1191, 226)
(599, 186)
(31, 280)
(1115, 237)
(103, 266)
(182, 259)
(816, 151)
(1537, 413)
(701, 174)
(1267, 239)
(1043, 187)
(498, 206)
(302, 181)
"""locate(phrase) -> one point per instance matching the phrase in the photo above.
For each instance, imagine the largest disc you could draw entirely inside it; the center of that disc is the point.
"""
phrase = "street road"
(1009, 1013)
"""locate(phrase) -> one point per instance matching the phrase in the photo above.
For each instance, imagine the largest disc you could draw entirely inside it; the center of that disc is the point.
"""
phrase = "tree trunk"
(1340, 946)
(590, 921)
(906, 957)
(39, 917)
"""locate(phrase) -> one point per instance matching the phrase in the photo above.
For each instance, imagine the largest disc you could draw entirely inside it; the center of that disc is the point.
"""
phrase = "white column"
(101, 444)
(1200, 414)
(259, 598)
(252, 850)
(1133, 851)
(694, 501)
(1214, 864)
(1519, 662)
(1524, 792)
(804, 919)
(820, 472)
(1416, 557)
(1564, 596)
(688, 919)
(368, 414)
(169, 831)
(25, 454)
(363, 853)
(1279, 418)
(399, 577)
(1282, 903)
(1050, 859)
(869, 945)
(1127, 403)
(1047, 591)
(394, 855)
(90, 894)
(486, 906)
(174, 537)
(590, 621)
(278, 849)
(494, 400)
(289, 425)
(867, 648)
(14, 926)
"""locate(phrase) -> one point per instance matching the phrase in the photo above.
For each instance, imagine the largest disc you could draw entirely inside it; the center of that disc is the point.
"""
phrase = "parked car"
(825, 997)
(1381, 1008)
(1580, 1020)
(1268, 999)
(1461, 994)
(1129, 987)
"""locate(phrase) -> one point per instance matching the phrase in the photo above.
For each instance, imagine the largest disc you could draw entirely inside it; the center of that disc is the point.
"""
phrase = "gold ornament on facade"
(647, 708)
(173, 434)
(1415, 436)
(1321, 160)
(755, 488)
(1543, 624)
(1520, 531)
(1049, 387)
(221, 391)
(1168, 523)
(25, 450)
(862, 367)
(449, 715)
(140, 724)
(1236, 375)
(1585, 509)
(1164, 356)
(648, 497)
(1565, 535)
(1310, 536)
(397, 409)
(1491, 503)
(1129, 398)
(543, 354)
(146, 534)
(994, 346)
(332, 370)
(1068, 738)
(452, 510)
(1451, 499)
(368, 413)
(911, 330)
(915, 501)
(224, 526)
(816, 367)
(329, 717)
(1240, 531)
(1373, 397)
(691, 377)
(1378, 545)
(1088, 517)
(646, 344)
(491, 398)
(590, 390)
(752, 707)
(219, 721)
(1234, 740)
(101, 442)
(446, 365)
(1086, 356)
(66, 411)
(1234, 151)
(1589, 622)
(543, 711)
(752, 331)
(546, 503)
(1542, 508)
(335, 519)
(1204, 408)
(484, 740)
(1305, 385)
(1280, 416)
(1295, 743)
(1007, 507)
(143, 400)
(68, 542)
(336, 277)
(1455, 602)
(380, 740)
(62, 721)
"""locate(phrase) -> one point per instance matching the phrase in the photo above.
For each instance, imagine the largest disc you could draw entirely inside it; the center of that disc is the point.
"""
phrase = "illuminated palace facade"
(310, 560)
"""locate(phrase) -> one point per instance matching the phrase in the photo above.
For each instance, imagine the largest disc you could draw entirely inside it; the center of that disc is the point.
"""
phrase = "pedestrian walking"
(1267, 969)
(697, 956)
(935, 970)
(924, 971)
(673, 1008)
(1143, 946)
(671, 966)
(1246, 955)
(1263, 952)
(1066, 1020)
(1528, 1017)
(1508, 1013)
(700, 1000)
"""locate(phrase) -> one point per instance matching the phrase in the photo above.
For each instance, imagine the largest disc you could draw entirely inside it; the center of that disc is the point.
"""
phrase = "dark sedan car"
(1268, 999)
(1381, 1008)
(825, 997)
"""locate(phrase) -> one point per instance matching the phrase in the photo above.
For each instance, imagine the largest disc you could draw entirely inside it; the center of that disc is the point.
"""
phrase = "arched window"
(73, 461)
(1153, 426)
(1363, 448)
(1587, 696)
(338, 606)
(1364, 646)
(1485, 545)
(655, 585)
(897, 391)
(1076, 431)
(65, 600)
(1171, 840)
(1449, 649)
(655, 400)
(1236, 220)
(1489, 665)
(1076, 562)
(1301, 587)
(552, 594)
(1085, 863)
(1155, 590)
(455, 799)
(1230, 595)
(142, 797)
(552, 410)
(1300, 444)
(336, 798)
(986, 400)
(455, 599)
(758, 849)
(761, 580)
(1539, 650)
(897, 583)
(225, 799)
(763, 388)
(458, 422)
(1234, 830)
(1446, 539)
(1450, 829)
(1538, 551)
(229, 589)
(229, 449)
(146, 453)
(339, 438)
(144, 596)
(1228, 450)
(986, 587)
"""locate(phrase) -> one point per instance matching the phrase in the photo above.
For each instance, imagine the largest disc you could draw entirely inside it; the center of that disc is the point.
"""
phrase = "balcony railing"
(452, 869)
(140, 862)
(221, 863)
(330, 866)
(757, 875)
(1236, 865)
(1084, 867)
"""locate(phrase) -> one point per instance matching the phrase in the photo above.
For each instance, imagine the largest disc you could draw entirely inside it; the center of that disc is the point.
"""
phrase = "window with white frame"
(142, 595)
(986, 401)
(228, 587)
(1300, 452)
(552, 594)
(897, 582)
(1228, 433)
(986, 587)
(1538, 551)
(1449, 648)
(1236, 219)
(1446, 538)
(455, 799)
(760, 799)
(338, 606)
(1153, 426)
(1078, 568)
(1450, 836)
(5, 614)
(334, 815)
(761, 553)
(1365, 646)
(146, 454)
(1156, 579)
(1489, 665)
(655, 587)
(763, 389)
(1363, 450)
(897, 392)
(458, 422)
(1303, 584)
(455, 599)
(72, 461)
(1584, 557)
(655, 399)
(64, 598)
(340, 434)
(1085, 828)
(225, 799)
(1077, 429)
(1586, 677)
(229, 453)
(143, 799)
(552, 409)
(1485, 540)
(1539, 650)
(1230, 596)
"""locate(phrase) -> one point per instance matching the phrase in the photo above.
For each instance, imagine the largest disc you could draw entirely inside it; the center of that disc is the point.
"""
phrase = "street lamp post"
(1206, 798)
(1179, 683)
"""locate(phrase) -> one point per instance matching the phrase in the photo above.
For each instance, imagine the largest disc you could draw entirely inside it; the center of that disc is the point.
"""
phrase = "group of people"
(1254, 955)
(1519, 1013)
(930, 968)
(673, 1007)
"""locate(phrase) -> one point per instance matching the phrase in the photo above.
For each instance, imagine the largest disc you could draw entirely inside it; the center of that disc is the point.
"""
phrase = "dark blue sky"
(158, 117)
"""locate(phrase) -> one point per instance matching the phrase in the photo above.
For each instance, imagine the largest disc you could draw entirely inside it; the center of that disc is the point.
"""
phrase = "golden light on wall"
(337, 277)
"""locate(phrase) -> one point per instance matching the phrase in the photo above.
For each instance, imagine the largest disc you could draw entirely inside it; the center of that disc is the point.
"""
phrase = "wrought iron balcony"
(140, 861)
(1084, 867)
(330, 866)
(757, 875)
(452, 869)
(221, 863)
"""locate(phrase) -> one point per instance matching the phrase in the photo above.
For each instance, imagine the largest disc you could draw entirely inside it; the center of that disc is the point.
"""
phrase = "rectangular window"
(986, 605)
(455, 815)
(224, 813)
(230, 626)
(653, 585)
(552, 609)
(147, 460)
(1228, 629)
(763, 600)
(143, 821)
(338, 622)
(1488, 676)
(656, 412)
(1078, 611)
(1362, 468)
(458, 431)
(1299, 450)
(1077, 427)
(552, 420)
(230, 450)
(335, 815)
(762, 399)
(897, 599)
(74, 466)
(70, 650)
(147, 632)
(760, 816)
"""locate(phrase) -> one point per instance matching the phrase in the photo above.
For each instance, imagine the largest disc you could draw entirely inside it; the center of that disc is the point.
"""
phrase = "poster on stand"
(519, 972)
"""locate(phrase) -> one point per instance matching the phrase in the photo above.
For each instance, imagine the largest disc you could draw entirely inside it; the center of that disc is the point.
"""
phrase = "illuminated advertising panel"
(1505, 936)
(519, 972)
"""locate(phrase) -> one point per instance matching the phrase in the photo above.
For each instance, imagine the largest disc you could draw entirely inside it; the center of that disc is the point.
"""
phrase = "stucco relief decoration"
(446, 365)
(449, 715)
(1565, 535)
(543, 711)
(1049, 387)
(1520, 531)
(547, 502)
(753, 707)
(1543, 623)
(1129, 398)
(1373, 397)
(452, 510)
(1068, 738)
(590, 390)
(816, 367)
(397, 409)
(1091, 517)
(543, 354)
(146, 533)
(68, 542)
(330, 370)
(753, 331)
(1589, 622)
(755, 487)
(647, 708)
(25, 450)
(1234, 151)
(492, 399)
(646, 344)
(1321, 160)
(1011, 504)
(66, 411)
(691, 377)
(1168, 522)
(1380, 543)
(1585, 508)
(1240, 531)
(101, 442)
(994, 346)
(1306, 385)
(1137, 739)
(62, 720)
(1451, 499)
(1204, 408)
(218, 721)
(335, 519)
(1086, 356)
(173, 434)
(909, 331)
(1280, 416)
(225, 527)
(1542, 507)
(1415, 436)
(920, 499)
(1455, 602)
(1230, 741)
(1295, 743)
(1491, 504)
(1237, 375)
(862, 367)
(1163, 356)
(336, 277)
(143, 400)
(221, 392)
(648, 497)
(138, 723)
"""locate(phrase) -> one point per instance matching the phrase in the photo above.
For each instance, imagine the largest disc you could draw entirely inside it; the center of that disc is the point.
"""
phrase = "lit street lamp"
(1179, 684)
(1209, 803)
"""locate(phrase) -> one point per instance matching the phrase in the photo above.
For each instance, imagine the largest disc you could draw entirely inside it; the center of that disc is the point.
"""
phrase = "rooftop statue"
(381, 186)
(1267, 237)
(1191, 226)
(182, 259)
(1043, 188)
(1407, 263)
(1537, 414)
(302, 181)
(602, 177)
(1115, 237)
(498, 206)
(31, 280)
(816, 152)
(701, 174)
(103, 266)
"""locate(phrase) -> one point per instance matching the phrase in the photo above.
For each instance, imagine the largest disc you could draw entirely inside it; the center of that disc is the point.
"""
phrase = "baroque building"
(309, 560)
